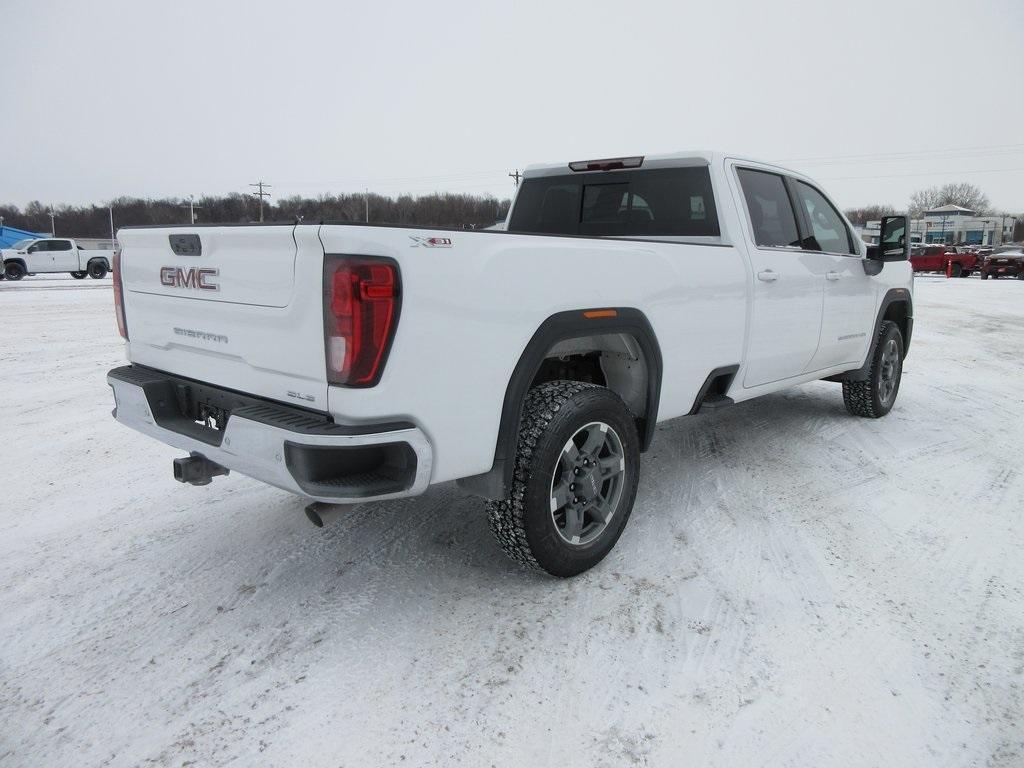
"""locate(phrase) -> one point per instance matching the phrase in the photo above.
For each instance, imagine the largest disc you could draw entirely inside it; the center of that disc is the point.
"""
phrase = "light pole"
(53, 227)
(192, 208)
(113, 241)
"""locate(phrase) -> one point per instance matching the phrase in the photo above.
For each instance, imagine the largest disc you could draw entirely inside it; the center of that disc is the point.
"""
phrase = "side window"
(42, 246)
(770, 210)
(60, 245)
(829, 232)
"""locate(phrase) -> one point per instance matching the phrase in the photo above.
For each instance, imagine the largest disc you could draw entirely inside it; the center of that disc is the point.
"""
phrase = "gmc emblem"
(193, 277)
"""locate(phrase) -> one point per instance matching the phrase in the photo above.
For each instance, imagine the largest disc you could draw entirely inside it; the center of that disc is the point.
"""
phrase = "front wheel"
(14, 271)
(78, 275)
(874, 397)
(956, 269)
(97, 270)
(574, 480)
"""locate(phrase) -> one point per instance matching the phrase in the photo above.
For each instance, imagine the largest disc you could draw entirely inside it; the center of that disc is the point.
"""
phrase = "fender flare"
(556, 328)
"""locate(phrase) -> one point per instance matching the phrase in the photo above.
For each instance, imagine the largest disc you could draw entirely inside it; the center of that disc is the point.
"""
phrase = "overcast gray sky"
(874, 99)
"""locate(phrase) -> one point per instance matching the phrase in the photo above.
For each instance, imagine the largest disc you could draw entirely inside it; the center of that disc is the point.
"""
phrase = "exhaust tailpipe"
(197, 470)
(320, 513)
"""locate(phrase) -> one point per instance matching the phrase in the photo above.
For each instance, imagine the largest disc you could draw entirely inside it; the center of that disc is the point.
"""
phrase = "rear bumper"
(299, 451)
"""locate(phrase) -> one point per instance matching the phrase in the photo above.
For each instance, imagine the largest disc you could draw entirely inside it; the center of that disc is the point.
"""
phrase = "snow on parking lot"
(797, 587)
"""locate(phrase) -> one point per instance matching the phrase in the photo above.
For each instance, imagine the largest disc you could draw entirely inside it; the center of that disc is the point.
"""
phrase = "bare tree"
(438, 210)
(861, 216)
(958, 193)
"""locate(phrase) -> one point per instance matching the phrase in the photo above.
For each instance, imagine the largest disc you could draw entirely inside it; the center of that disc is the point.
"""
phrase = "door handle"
(767, 275)
(833, 275)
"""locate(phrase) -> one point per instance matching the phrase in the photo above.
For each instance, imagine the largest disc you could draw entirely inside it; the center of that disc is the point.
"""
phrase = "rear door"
(787, 282)
(64, 255)
(237, 307)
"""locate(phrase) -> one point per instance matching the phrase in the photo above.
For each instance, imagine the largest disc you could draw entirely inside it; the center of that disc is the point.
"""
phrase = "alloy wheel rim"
(587, 483)
(890, 370)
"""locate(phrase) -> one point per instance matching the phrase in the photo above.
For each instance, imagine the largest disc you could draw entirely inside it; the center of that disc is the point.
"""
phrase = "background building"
(952, 225)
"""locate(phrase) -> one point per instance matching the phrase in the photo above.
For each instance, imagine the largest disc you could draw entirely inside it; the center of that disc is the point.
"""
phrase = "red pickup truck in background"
(938, 258)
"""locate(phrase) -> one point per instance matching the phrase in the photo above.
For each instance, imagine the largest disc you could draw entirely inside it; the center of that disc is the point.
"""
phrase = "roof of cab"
(666, 160)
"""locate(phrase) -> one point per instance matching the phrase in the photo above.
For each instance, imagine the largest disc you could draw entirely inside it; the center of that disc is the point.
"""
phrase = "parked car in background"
(937, 258)
(54, 254)
(1005, 261)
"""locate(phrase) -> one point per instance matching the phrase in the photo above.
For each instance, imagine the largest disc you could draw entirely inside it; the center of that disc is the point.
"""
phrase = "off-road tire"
(14, 271)
(523, 523)
(957, 269)
(862, 398)
(97, 269)
(79, 275)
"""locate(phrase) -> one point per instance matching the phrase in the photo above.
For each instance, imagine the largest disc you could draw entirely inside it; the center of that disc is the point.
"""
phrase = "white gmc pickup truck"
(350, 362)
(54, 254)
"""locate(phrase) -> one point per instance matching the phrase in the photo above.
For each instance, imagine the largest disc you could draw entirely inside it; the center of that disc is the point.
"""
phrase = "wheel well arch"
(899, 312)
(16, 261)
(615, 347)
(102, 259)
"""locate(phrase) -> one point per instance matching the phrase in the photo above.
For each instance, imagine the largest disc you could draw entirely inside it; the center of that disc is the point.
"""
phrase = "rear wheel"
(14, 271)
(874, 397)
(575, 478)
(79, 275)
(97, 270)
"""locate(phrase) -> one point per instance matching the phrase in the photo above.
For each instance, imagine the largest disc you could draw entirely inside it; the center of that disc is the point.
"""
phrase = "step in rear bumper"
(299, 451)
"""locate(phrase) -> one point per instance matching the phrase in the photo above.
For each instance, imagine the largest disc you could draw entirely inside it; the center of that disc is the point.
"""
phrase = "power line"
(908, 154)
(928, 173)
(261, 194)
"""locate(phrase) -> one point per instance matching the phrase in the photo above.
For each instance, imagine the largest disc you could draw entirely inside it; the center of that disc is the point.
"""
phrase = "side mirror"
(893, 240)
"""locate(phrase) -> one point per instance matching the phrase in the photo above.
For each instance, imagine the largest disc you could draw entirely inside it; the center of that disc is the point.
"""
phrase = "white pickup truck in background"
(351, 362)
(54, 254)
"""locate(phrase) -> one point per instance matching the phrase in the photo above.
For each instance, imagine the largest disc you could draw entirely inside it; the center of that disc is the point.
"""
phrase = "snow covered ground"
(796, 587)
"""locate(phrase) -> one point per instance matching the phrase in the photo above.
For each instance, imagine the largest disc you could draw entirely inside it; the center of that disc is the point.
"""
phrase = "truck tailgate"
(239, 307)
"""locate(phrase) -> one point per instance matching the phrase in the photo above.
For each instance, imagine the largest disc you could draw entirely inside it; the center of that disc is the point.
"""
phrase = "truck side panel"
(469, 310)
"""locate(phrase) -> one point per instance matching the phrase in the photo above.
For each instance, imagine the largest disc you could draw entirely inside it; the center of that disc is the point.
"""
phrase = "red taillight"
(361, 302)
(122, 324)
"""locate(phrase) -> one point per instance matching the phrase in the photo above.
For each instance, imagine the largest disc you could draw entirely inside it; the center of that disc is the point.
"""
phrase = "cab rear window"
(638, 203)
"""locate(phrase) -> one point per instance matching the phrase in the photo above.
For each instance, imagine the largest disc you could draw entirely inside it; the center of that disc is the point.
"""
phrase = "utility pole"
(516, 176)
(261, 194)
(367, 199)
(192, 208)
(53, 227)
(113, 242)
